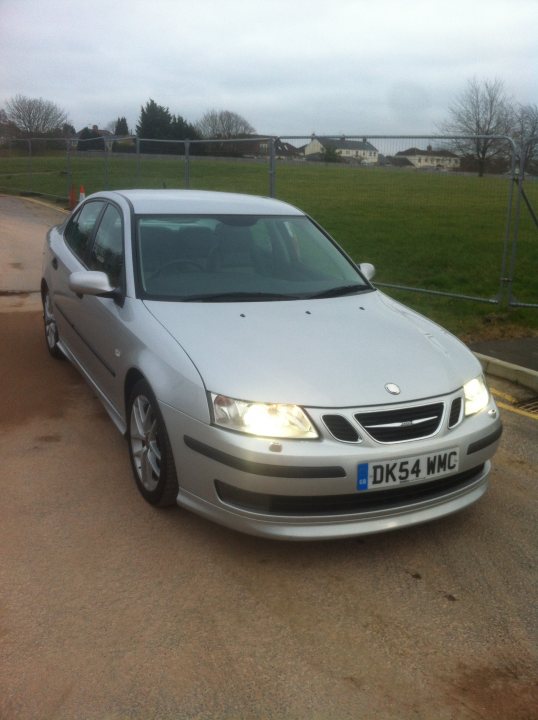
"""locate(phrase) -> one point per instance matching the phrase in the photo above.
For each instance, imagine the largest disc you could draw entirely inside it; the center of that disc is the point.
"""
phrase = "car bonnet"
(338, 352)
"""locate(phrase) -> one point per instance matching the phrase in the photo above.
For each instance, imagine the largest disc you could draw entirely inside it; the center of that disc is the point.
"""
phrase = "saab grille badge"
(392, 388)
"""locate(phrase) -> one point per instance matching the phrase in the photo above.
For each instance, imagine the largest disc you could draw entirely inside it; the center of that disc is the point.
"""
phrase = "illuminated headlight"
(476, 395)
(262, 419)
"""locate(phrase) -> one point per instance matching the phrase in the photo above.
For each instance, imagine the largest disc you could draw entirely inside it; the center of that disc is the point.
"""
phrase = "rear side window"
(80, 228)
(106, 253)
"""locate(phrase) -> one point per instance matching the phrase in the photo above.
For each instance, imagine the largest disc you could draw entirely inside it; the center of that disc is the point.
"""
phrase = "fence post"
(69, 171)
(187, 165)
(105, 150)
(137, 175)
(526, 155)
(505, 278)
(512, 301)
(272, 168)
(29, 165)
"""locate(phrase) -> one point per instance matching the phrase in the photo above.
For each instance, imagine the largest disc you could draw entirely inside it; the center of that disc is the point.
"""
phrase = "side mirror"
(91, 282)
(368, 270)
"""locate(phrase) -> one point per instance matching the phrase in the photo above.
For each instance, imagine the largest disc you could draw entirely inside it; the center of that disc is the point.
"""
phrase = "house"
(353, 151)
(286, 151)
(429, 158)
(259, 146)
(93, 139)
(399, 162)
(94, 131)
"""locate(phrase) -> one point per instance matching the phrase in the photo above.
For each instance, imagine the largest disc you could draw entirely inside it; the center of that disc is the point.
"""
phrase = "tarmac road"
(113, 610)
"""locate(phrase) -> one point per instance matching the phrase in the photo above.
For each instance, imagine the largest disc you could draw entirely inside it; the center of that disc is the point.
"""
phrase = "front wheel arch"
(150, 452)
(132, 377)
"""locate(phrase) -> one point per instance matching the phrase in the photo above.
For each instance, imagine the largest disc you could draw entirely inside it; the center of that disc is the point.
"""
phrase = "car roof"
(200, 202)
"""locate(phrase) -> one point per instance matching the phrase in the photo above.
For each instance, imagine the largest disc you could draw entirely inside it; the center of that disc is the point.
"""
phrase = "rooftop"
(196, 202)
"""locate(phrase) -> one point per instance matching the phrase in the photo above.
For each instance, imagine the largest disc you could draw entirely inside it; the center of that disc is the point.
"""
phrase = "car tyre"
(52, 337)
(151, 455)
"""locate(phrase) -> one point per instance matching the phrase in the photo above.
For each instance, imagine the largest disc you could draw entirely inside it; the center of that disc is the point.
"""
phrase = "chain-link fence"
(418, 207)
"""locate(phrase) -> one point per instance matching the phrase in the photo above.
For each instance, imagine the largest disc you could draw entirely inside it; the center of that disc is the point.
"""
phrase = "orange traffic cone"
(82, 194)
(72, 197)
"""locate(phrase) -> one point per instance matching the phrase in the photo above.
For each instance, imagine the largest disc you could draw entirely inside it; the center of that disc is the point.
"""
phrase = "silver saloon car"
(259, 377)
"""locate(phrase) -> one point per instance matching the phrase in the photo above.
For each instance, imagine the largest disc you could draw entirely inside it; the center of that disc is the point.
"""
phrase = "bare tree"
(35, 116)
(7, 128)
(483, 108)
(223, 124)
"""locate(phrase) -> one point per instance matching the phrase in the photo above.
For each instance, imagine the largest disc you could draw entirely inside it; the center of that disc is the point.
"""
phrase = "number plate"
(389, 473)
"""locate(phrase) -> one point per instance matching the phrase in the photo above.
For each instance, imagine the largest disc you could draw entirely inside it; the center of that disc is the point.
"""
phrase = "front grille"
(340, 504)
(398, 425)
(341, 428)
(455, 412)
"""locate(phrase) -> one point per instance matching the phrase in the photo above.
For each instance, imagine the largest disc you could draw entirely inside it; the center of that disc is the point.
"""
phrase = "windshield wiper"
(340, 290)
(238, 296)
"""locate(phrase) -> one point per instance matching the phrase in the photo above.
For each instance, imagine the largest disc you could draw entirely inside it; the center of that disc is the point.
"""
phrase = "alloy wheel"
(144, 439)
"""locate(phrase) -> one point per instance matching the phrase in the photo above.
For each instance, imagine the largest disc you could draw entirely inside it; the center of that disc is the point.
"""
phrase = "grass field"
(439, 231)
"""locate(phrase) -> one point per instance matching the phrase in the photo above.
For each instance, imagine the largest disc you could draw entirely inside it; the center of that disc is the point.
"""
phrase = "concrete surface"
(23, 224)
(494, 367)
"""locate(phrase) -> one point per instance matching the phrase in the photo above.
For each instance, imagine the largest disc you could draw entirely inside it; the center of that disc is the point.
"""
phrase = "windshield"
(232, 258)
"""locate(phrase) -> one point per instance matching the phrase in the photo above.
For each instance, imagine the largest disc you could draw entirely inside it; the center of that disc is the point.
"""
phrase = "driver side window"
(106, 252)
(80, 228)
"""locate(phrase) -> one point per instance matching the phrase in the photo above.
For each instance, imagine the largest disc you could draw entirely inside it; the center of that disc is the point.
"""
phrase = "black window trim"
(122, 285)
(84, 260)
(119, 297)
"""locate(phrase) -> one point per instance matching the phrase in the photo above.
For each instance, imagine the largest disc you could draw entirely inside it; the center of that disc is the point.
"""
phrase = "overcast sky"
(288, 66)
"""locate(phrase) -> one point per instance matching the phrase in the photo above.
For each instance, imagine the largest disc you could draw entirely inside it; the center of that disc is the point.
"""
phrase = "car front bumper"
(329, 527)
(307, 489)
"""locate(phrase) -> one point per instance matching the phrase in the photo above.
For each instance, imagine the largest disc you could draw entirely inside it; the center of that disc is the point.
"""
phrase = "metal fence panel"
(411, 192)
(377, 195)
(233, 165)
(48, 167)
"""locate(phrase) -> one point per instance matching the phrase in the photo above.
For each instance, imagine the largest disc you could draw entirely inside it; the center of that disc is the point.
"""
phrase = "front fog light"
(476, 395)
(263, 419)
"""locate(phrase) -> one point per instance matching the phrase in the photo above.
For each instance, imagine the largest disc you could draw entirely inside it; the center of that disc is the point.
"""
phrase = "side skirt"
(111, 409)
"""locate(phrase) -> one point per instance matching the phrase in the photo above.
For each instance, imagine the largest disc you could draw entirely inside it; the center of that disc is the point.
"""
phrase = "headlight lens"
(263, 419)
(476, 395)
